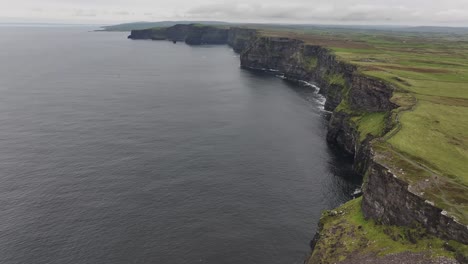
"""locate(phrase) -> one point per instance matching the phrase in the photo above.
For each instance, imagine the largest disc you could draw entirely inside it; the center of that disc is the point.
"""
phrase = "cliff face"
(339, 82)
(342, 133)
(370, 95)
(299, 61)
(280, 54)
(390, 200)
(206, 35)
(155, 33)
(240, 38)
(192, 34)
(177, 32)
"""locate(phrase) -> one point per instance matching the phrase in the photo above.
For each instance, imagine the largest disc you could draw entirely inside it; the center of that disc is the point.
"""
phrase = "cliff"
(390, 200)
(240, 38)
(364, 112)
(192, 34)
(347, 91)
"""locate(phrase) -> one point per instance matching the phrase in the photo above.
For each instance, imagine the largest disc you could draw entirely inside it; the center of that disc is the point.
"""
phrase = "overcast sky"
(396, 12)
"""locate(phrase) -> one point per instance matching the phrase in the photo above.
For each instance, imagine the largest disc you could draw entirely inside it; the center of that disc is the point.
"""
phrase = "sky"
(349, 12)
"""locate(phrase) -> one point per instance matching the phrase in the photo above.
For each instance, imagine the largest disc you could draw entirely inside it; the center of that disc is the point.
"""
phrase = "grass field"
(430, 72)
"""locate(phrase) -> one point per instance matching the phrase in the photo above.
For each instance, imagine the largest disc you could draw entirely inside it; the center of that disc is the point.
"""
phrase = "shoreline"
(387, 197)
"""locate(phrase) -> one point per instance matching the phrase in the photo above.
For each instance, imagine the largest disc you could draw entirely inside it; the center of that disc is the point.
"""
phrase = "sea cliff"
(192, 34)
(364, 112)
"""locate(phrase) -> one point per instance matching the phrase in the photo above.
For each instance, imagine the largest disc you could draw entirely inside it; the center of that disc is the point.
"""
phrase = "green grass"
(370, 124)
(346, 232)
(344, 104)
(453, 84)
(335, 79)
(312, 63)
(367, 124)
(439, 134)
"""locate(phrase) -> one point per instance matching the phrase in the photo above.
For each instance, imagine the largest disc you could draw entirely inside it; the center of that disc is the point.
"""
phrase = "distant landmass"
(146, 25)
(422, 29)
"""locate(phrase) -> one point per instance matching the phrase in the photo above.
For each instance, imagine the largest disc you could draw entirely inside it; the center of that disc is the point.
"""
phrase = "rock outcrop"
(370, 95)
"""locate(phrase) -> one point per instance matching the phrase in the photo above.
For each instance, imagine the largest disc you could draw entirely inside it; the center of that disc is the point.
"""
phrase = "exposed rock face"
(370, 95)
(240, 38)
(174, 33)
(313, 63)
(191, 34)
(281, 54)
(342, 133)
(177, 32)
(148, 34)
(389, 200)
(206, 35)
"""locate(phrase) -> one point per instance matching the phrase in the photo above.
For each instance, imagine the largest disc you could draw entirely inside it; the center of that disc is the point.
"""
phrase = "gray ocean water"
(119, 151)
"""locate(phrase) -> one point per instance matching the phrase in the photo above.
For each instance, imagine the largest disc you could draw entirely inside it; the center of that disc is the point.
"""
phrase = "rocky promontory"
(192, 34)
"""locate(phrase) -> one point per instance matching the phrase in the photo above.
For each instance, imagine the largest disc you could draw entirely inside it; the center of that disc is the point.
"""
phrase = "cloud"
(83, 13)
(328, 11)
(280, 11)
(37, 10)
(121, 13)
(245, 11)
(452, 15)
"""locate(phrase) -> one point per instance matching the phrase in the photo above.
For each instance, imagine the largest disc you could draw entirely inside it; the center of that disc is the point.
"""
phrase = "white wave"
(320, 99)
(281, 76)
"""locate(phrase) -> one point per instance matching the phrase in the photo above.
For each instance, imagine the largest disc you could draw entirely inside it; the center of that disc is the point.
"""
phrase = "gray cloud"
(373, 13)
(121, 13)
(84, 13)
(294, 11)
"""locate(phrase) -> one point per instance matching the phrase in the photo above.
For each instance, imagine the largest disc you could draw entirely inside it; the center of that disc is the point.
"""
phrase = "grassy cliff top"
(346, 236)
(429, 147)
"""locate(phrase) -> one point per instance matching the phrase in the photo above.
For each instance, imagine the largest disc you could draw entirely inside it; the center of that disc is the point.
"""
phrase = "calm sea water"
(119, 151)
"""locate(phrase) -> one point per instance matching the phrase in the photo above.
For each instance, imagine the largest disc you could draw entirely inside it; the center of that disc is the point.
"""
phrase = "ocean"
(119, 151)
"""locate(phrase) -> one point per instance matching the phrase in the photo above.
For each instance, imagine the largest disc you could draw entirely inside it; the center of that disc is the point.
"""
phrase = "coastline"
(387, 197)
